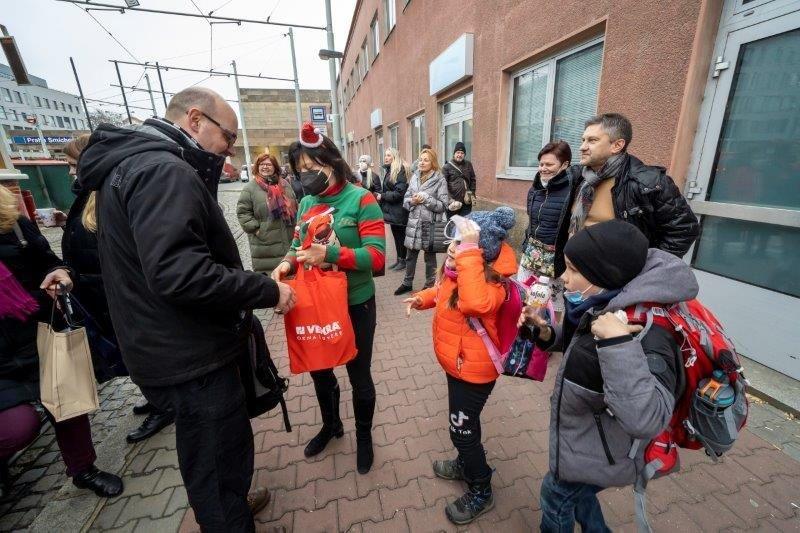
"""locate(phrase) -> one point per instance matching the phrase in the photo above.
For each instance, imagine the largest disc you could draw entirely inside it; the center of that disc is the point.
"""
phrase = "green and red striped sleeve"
(370, 255)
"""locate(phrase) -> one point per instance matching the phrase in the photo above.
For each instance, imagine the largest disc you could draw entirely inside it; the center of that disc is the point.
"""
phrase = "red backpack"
(711, 407)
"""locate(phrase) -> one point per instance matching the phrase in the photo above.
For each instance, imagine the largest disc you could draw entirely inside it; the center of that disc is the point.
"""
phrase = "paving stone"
(359, 510)
(163, 458)
(109, 513)
(179, 500)
(161, 525)
(170, 477)
(140, 507)
(321, 520)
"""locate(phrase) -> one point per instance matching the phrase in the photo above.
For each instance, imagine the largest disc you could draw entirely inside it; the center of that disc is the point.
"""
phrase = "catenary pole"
(337, 134)
(241, 113)
(80, 92)
(124, 98)
(150, 92)
(296, 83)
(161, 83)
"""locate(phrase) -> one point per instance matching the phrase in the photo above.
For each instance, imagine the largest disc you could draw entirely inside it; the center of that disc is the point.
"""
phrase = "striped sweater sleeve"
(370, 255)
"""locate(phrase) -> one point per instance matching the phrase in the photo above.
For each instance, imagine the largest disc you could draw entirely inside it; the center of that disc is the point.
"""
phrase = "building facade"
(54, 110)
(271, 119)
(712, 88)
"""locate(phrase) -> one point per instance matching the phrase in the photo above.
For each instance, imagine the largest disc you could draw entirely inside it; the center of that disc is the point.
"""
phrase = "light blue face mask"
(576, 297)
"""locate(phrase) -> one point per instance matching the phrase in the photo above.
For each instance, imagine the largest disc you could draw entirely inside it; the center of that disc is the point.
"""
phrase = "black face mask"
(314, 182)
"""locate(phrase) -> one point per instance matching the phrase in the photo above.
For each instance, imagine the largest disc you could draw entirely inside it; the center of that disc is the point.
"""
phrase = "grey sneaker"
(475, 502)
(451, 469)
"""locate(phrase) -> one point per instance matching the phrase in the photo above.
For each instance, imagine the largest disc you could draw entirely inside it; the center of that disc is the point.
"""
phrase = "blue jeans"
(564, 503)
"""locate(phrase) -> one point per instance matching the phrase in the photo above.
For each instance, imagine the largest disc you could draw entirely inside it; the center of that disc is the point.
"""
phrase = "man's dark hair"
(558, 148)
(325, 154)
(199, 97)
(424, 146)
(615, 125)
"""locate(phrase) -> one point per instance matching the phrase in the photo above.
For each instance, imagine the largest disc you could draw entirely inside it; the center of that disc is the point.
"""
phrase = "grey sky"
(49, 32)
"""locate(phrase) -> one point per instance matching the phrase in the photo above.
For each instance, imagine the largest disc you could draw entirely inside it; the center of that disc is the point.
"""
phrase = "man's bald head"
(198, 110)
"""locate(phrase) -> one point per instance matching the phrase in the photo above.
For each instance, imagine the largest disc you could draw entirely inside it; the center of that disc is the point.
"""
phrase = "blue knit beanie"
(494, 228)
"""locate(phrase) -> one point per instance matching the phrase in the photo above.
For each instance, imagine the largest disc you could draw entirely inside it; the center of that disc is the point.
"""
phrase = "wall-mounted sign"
(26, 139)
(453, 65)
(318, 113)
(375, 118)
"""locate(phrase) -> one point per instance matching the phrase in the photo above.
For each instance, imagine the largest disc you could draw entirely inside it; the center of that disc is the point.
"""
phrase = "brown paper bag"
(66, 376)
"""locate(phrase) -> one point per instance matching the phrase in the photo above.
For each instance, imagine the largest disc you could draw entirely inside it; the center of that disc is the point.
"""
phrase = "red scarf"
(278, 205)
(15, 301)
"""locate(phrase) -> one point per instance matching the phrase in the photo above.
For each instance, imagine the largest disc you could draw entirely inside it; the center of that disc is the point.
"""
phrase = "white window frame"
(38, 101)
(7, 95)
(375, 37)
(18, 97)
(389, 17)
(364, 55)
(550, 64)
(3, 113)
(394, 135)
(411, 134)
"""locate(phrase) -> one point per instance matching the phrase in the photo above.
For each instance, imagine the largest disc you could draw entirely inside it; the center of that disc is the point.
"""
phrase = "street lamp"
(326, 54)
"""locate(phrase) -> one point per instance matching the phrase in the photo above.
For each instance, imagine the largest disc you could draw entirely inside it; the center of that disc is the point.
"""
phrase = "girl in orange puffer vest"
(470, 284)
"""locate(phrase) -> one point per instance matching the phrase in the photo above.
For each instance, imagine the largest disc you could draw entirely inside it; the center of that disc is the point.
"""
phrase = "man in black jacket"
(461, 184)
(614, 184)
(176, 289)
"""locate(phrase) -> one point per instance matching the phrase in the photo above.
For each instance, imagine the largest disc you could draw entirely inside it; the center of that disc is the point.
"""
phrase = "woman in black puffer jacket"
(390, 197)
(549, 201)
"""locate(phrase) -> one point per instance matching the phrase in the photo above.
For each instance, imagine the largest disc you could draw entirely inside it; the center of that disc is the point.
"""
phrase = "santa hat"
(310, 137)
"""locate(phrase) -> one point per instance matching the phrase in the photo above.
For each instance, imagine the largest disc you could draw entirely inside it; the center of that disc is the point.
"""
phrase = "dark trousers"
(20, 425)
(214, 441)
(411, 267)
(466, 403)
(399, 235)
(364, 318)
(564, 503)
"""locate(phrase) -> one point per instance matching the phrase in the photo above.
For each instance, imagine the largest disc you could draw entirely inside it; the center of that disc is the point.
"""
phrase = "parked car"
(229, 173)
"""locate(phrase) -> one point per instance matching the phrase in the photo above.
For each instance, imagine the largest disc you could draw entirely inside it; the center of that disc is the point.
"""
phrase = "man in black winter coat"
(461, 182)
(614, 184)
(177, 292)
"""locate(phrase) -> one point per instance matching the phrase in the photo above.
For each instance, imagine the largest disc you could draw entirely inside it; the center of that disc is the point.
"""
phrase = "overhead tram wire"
(108, 32)
(123, 9)
(210, 72)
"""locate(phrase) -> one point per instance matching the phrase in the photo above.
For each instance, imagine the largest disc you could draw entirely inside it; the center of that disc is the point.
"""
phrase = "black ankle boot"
(331, 423)
(103, 484)
(364, 411)
(476, 501)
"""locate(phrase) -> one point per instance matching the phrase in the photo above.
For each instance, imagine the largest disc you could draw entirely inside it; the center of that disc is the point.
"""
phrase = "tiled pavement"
(756, 488)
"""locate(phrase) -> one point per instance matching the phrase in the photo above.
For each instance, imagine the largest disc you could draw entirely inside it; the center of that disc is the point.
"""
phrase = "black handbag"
(433, 239)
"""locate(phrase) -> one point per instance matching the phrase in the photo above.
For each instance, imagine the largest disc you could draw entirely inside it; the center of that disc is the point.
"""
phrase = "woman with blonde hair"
(79, 248)
(395, 184)
(30, 275)
(426, 201)
(267, 209)
(367, 177)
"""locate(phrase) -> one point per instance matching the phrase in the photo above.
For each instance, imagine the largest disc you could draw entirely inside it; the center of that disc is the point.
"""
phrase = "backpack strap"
(286, 423)
(20, 236)
(494, 353)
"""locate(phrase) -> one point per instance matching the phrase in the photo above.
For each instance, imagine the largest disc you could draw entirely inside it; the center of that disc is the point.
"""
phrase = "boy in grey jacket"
(614, 392)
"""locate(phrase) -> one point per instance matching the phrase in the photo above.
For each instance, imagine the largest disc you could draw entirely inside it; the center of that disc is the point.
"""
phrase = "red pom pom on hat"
(310, 136)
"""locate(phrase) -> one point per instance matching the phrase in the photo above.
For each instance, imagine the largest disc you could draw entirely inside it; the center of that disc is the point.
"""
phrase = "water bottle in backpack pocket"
(717, 412)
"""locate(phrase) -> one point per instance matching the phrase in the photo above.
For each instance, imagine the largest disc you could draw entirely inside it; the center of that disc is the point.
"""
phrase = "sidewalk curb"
(774, 402)
(72, 508)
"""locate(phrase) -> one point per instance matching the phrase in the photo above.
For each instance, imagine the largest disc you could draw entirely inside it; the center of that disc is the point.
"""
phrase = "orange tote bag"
(319, 333)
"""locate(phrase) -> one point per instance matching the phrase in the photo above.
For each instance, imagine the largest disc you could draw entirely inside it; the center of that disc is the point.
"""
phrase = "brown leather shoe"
(258, 499)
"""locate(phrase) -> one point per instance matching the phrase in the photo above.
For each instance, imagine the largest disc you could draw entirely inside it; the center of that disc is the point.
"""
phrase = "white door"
(456, 126)
(745, 182)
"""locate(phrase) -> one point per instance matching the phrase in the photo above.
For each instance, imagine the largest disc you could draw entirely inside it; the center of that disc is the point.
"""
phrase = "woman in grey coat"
(426, 200)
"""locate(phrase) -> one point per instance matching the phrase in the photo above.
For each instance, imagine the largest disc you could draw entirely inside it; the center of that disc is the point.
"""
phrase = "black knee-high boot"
(364, 409)
(331, 422)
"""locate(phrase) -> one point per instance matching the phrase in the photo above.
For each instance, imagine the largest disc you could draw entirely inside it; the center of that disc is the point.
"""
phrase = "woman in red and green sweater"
(357, 247)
